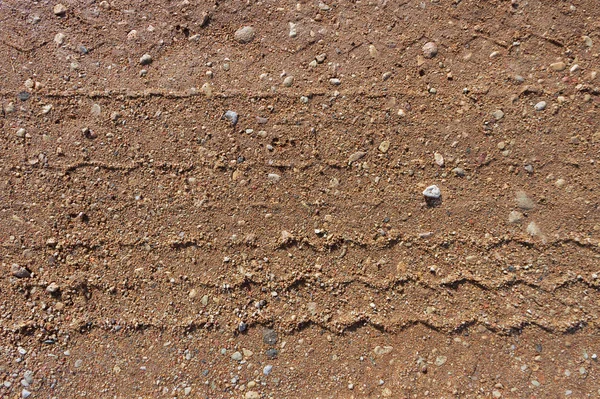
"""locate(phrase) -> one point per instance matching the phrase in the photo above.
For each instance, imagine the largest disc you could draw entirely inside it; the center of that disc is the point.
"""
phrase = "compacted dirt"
(153, 247)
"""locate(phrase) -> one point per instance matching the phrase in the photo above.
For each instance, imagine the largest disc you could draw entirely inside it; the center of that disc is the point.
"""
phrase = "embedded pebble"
(439, 159)
(432, 192)
(231, 116)
(560, 183)
(19, 271)
(460, 172)
(524, 202)
(382, 350)
(269, 337)
(335, 81)
(236, 356)
(430, 50)
(288, 81)
(540, 106)
(293, 31)
(244, 35)
(252, 395)
(267, 369)
(271, 353)
(384, 146)
(498, 114)
(25, 393)
(59, 10)
(274, 177)
(320, 58)
(206, 89)
(515, 217)
(528, 168)
(52, 288)
(96, 110)
(356, 156)
(146, 59)
(440, 360)
(59, 38)
(533, 229)
(558, 66)
(588, 41)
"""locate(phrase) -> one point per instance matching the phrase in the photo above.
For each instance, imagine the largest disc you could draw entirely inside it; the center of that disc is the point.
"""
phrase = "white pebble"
(540, 106)
(432, 192)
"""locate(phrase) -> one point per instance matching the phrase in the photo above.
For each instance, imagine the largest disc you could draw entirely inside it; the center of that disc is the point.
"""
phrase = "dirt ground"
(154, 246)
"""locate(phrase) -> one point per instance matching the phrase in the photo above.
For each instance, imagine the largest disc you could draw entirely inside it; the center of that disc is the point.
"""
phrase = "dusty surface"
(139, 228)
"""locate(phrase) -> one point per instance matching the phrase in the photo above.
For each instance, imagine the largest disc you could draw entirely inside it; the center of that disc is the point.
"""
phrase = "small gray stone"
(528, 169)
(19, 272)
(430, 50)
(267, 370)
(237, 356)
(146, 59)
(432, 192)
(269, 337)
(335, 81)
(25, 393)
(231, 116)
(540, 106)
(245, 35)
(320, 58)
(272, 353)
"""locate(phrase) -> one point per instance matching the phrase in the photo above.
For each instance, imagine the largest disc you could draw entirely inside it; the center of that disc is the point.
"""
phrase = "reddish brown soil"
(160, 227)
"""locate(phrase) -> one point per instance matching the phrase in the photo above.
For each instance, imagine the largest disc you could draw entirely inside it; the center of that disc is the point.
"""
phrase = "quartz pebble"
(540, 106)
(432, 192)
